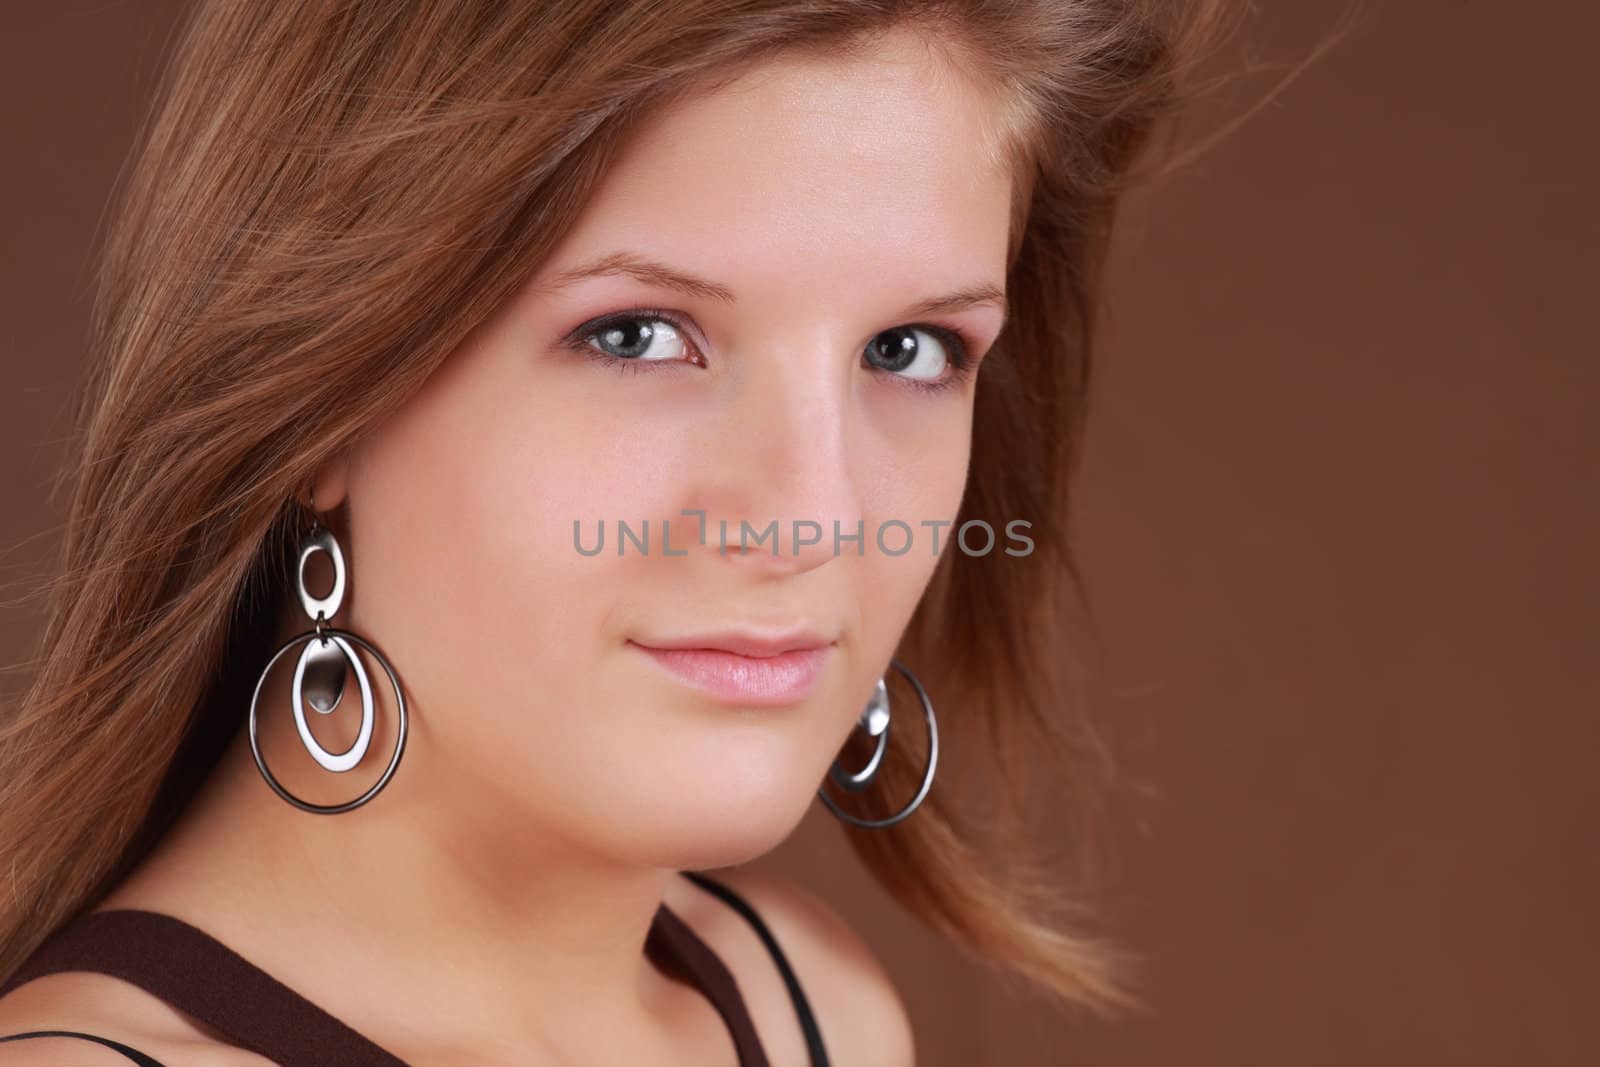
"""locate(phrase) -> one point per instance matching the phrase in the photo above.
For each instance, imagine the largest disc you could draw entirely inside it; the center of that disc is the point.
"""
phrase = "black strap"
(132, 1053)
(679, 950)
(802, 1007)
(199, 975)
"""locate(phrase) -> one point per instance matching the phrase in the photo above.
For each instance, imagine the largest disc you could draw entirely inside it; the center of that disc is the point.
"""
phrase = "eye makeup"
(957, 346)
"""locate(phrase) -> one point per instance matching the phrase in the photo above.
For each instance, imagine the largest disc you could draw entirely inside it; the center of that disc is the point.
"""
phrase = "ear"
(329, 486)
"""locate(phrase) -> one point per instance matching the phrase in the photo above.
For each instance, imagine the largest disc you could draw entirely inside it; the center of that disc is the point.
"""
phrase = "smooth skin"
(490, 906)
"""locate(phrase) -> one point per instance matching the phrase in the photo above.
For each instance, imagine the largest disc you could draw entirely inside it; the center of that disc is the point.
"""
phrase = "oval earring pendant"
(340, 761)
(321, 539)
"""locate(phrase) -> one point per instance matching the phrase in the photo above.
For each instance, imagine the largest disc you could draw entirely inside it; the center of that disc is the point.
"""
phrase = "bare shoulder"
(860, 1013)
(107, 1007)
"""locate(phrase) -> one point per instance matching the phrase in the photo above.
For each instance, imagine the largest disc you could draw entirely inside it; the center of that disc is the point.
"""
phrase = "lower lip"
(764, 681)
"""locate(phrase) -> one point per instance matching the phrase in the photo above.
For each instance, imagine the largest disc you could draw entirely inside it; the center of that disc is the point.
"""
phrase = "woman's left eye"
(901, 351)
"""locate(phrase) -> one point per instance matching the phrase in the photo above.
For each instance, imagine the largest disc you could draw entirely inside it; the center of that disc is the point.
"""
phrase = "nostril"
(744, 538)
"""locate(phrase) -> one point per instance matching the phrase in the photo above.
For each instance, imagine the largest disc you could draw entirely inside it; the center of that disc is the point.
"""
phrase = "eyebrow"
(653, 272)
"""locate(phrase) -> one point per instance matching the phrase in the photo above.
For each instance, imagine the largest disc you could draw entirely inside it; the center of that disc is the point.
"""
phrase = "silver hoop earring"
(319, 676)
(875, 718)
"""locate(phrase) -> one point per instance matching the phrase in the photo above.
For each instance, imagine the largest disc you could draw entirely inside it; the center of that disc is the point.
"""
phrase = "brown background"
(1339, 524)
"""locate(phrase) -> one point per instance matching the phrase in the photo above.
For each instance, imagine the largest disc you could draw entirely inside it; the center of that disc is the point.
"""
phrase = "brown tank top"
(197, 974)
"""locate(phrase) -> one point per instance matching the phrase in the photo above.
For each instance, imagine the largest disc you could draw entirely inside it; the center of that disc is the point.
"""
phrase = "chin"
(723, 823)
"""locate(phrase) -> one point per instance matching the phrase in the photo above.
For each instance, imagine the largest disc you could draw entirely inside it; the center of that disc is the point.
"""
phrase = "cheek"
(531, 506)
(462, 511)
(914, 497)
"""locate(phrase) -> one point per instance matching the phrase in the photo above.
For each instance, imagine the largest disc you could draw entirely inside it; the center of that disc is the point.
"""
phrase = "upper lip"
(745, 642)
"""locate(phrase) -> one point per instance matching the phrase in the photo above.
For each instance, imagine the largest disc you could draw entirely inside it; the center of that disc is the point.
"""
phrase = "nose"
(781, 488)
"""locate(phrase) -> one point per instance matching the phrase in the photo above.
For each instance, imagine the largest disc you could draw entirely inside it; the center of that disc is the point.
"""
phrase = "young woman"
(529, 449)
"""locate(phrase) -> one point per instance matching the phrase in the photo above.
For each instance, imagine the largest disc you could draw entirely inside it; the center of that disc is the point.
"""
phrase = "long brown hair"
(327, 196)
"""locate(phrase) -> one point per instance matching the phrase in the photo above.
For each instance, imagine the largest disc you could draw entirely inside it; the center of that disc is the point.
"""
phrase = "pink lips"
(745, 670)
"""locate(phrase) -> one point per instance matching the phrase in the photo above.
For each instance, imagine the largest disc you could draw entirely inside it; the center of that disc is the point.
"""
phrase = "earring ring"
(927, 775)
(400, 736)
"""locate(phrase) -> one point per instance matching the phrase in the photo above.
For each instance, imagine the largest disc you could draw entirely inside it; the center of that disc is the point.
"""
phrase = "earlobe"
(329, 486)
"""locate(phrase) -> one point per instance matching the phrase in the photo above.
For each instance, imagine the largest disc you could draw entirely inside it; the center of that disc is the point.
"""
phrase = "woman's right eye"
(636, 337)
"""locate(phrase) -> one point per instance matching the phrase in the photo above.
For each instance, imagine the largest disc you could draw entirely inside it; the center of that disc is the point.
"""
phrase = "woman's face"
(800, 382)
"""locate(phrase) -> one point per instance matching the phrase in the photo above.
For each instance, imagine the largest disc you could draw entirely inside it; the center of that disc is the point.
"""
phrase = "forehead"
(816, 168)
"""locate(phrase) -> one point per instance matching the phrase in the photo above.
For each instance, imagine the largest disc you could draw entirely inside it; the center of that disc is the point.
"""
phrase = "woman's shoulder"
(858, 1009)
(107, 1007)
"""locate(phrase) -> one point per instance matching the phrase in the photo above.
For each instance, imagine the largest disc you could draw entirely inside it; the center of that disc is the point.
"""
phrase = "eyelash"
(958, 347)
